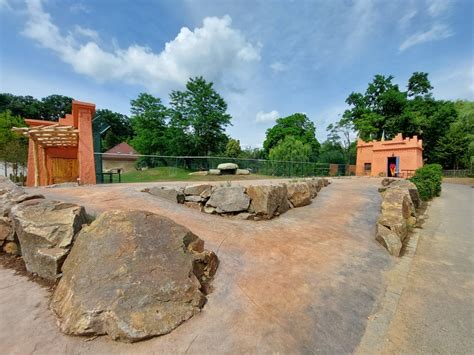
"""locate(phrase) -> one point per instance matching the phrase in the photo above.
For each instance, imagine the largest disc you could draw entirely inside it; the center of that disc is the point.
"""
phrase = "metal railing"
(136, 168)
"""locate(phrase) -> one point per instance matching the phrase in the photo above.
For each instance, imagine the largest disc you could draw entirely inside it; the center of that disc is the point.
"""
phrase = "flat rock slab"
(168, 193)
(132, 275)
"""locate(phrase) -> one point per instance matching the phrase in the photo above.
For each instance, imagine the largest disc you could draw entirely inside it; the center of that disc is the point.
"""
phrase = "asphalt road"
(435, 314)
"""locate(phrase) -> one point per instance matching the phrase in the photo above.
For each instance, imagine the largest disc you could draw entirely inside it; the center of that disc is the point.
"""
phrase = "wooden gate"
(64, 170)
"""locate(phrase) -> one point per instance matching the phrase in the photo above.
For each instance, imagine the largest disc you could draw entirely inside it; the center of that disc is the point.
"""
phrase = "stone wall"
(254, 202)
(400, 201)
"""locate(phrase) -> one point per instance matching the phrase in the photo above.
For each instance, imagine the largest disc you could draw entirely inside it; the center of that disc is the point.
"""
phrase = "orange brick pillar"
(84, 113)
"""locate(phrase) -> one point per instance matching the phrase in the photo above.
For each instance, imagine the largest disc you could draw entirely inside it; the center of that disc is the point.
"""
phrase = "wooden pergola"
(48, 136)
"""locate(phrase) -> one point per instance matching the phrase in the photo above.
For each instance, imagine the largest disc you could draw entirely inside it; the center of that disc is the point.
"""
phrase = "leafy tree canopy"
(49, 108)
(202, 112)
(291, 149)
(297, 125)
(149, 124)
(13, 147)
(385, 110)
(120, 128)
(233, 149)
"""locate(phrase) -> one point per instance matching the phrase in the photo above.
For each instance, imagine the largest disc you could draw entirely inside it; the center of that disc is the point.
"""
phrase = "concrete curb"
(379, 322)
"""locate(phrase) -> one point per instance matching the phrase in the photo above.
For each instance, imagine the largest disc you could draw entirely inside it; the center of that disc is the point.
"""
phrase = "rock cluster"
(253, 202)
(40, 230)
(400, 200)
(132, 275)
(223, 169)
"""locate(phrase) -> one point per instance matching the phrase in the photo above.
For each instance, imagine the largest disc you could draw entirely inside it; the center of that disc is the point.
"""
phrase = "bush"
(428, 181)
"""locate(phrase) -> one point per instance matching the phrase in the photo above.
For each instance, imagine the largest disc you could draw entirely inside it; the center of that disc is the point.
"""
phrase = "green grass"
(167, 173)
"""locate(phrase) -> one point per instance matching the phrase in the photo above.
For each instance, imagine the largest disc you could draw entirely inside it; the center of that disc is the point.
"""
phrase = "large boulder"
(169, 193)
(229, 199)
(299, 194)
(267, 200)
(44, 224)
(132, 275)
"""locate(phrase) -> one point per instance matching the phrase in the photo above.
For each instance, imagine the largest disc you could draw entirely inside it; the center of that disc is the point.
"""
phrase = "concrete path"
(301, 283)
(435, 314)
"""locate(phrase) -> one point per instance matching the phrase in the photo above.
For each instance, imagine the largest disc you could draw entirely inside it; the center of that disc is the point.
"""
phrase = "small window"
(367, 167)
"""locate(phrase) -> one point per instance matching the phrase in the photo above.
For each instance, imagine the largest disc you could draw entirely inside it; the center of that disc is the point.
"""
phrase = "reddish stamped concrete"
(304, 282)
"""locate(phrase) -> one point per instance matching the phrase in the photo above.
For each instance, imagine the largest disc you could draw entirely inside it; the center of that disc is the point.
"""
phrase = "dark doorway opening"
(392, 167)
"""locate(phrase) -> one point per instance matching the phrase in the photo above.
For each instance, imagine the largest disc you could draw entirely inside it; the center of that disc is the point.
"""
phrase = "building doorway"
(64, 170)
(392, 166)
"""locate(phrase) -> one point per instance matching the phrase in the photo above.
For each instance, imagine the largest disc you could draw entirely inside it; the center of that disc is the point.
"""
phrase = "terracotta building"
(397, 157)
(61, 151)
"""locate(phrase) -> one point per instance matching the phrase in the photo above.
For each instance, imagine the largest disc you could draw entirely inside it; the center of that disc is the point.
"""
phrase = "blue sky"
(267, 58)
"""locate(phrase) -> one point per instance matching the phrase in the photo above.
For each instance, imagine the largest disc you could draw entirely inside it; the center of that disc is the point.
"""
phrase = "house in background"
(122, 156)
(397, 157)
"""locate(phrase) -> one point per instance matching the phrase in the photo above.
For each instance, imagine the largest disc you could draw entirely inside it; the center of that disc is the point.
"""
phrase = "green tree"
(23, 106)
(149, 124)
(233, 149)
(340, 135)
(120, 128)
(54, 107)
(331, 153)
(297, 125)
(291, 149)
(13, 147)
(202, 112)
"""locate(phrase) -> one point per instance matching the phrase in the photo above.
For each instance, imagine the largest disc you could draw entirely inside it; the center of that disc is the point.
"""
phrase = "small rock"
(199, 173)
(209, 209)
(388, 239)
(11, 248)
(214, 172)
(242, 172)
(194, 205)
(193, 198)
(6, 230)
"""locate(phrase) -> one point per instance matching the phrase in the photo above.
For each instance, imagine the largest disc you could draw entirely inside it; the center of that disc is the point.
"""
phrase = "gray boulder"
(227, 166)
(132, 275)
(44, 224)
(229, 199)
(267, 200)
(168, 193)
(198, 189)
(214, 172)
(242, 172)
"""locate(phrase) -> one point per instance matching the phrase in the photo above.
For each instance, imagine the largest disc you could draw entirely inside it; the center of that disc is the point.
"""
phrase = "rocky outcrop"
(229, 199)
(46, 230)
(398, 213)
(299, 194)
(132, 275)
(255, 202)
(11, 195)
(268, 200)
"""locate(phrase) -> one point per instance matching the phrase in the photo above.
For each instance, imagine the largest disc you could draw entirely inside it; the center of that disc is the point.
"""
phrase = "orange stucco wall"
(80, 118)
(409, 152)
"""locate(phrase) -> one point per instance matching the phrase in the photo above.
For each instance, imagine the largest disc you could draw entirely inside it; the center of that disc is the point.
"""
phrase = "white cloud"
(213, 51)
(78, 8)
(455, 83)
(86, 32)
(435, 33)
(278, 67)
(266, 116)
(406, 19)
(438, 7)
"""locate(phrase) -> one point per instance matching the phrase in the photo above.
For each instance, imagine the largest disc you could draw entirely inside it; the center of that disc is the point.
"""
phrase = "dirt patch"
(16, 263)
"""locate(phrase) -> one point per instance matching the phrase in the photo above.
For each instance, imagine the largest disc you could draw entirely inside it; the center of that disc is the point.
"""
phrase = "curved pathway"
(302, 283)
